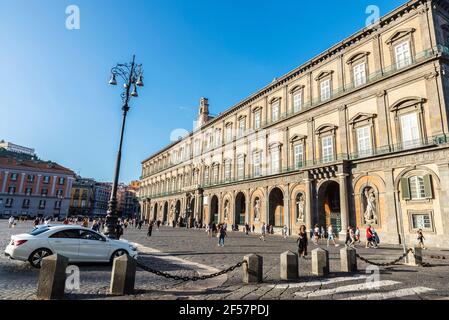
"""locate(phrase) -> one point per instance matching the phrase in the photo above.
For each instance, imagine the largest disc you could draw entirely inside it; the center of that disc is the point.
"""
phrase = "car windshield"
(38, 231)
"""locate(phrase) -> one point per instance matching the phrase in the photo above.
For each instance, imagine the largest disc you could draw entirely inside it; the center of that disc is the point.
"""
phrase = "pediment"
(356, 56)
(298, 137)
(326, 127)
(324, 74)
(399, 34)
(361, 116)
(296, 88)
(407, 102)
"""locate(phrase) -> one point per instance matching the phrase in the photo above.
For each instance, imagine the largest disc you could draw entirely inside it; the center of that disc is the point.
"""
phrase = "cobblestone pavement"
(190, 252)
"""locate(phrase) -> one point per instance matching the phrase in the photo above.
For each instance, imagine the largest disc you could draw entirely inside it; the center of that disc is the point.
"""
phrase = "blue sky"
(54, 95)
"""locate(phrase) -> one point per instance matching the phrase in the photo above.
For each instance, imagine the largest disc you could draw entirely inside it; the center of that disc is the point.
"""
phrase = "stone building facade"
(356, 136)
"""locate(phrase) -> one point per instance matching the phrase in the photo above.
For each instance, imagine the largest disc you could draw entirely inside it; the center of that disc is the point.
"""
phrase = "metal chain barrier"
(386, 264)
(185, 278)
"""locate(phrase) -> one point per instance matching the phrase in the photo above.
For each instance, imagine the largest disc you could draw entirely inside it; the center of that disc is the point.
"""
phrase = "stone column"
(247, 207)
(384, 136)
(377, 54)
(287, 213)
(391, 224)
(342, 130)
(285, 150)
(344, 205)
(310, 145)
(53, 186)
(38, 182)
(267, 206)
(309, 203)
(20, 191)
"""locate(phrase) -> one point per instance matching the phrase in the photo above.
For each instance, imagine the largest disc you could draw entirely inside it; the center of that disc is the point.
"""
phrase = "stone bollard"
(320, 262)
(253, 269)
(123, 276)
(52, 277)
(289, 266)
(348, 260)
(415, 258)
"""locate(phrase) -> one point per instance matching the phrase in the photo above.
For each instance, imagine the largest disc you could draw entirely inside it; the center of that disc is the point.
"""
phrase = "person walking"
(36, 222)
(221, 235)
(85, 223)
(322, 233)
(11, 222)
(357, 235)
(285, 231)
(369, 237)
(376, 239)
(421, 239)
(247, 229)
(66, 221)
(331, 235)
(302, 242)
(150, 229)
(316, 235)
(263, 231)
(254, 228)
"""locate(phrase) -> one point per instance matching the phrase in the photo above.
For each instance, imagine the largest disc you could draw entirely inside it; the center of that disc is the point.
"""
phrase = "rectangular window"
(11, 190)
(257, 164)
(275, 161)
(61, 180)
(59, 193)
(44, 192)
(206, 175)
(30, 178)
(417, 188)
(421, 221)
(327, 144)
(9, 202)
(26, 203)
(217, 137)
(46, 179)
(275, 111)
(299, 156)
(257, 117)
(360, 74)
(227, 170)
(242, 127)
(28, 191)
(410, 130)
(42, 204)
(364, 146)
(241, 167)
(325, 89)
(297, 101)
(57, 204)
(13, 176)
(215, 174)
(403, 55)
(228, 134)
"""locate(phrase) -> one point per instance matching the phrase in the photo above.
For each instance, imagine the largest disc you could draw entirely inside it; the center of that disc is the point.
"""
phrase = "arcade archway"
(276, 209)
(329, 205)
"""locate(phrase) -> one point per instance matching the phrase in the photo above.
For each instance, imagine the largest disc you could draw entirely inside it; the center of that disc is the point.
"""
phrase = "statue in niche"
(226, 209)
(370, 204)
(300, 207)
(257, 209)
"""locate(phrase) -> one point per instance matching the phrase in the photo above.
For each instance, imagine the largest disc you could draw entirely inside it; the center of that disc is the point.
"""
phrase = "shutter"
(405, 188)
(428, 186)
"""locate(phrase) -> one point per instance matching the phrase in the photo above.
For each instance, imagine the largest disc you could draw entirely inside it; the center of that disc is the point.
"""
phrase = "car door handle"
(58, 241)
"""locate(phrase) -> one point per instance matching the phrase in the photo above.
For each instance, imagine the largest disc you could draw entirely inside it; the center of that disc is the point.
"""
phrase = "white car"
(74, 242)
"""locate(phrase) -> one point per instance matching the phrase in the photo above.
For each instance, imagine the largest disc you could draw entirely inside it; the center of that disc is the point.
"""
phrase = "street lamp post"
(132, 75)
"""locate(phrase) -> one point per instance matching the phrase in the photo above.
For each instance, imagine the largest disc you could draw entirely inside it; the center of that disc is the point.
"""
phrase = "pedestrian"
(331, 235)
(351, 237)
(119, 230)
(322, 233)
(36, 222)
(316, 235)
(150, 229)
(285, 231)
(246, 229)
(173, 223)
(96, 226)
(302, 242)
(140, 224)
(357, 235)
(214, 229)
(158, 224)
(369, 237)
(263, 231)
(221, 235)
(421, 239)
(376, 239)
(254, 228)
(66, 221)
(11, 222)
(85, 223)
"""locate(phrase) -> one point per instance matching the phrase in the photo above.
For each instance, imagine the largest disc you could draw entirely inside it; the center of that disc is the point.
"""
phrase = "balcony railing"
(347, 88)
(305, 165)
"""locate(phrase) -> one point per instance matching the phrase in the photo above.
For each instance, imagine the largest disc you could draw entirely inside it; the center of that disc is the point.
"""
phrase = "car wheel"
(118, 254)
(36, 257)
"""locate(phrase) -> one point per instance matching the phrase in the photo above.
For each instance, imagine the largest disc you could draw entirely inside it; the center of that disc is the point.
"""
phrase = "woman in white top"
(11, 222)
(330, 235)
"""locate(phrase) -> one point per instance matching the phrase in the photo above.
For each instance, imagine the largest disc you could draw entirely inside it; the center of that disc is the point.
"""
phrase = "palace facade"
(356, 136)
